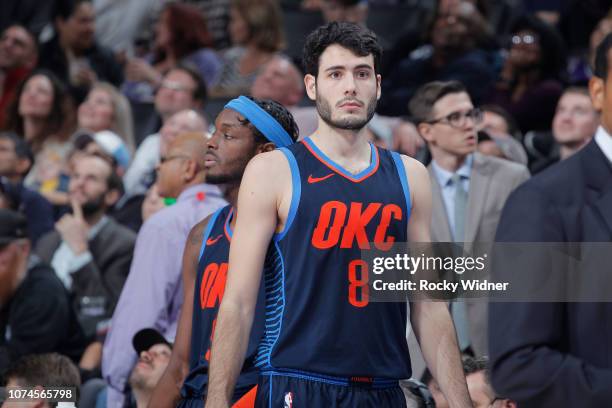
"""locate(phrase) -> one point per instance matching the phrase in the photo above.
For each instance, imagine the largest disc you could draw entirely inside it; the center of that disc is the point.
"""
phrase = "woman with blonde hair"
(256, 31)
(105, 108)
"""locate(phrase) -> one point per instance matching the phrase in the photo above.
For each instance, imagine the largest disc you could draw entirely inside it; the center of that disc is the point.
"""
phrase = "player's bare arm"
(167, 391)
(431, 321)
(260, 200)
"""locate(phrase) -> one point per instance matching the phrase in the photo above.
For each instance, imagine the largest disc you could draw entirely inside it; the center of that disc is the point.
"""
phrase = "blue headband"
(262, 120)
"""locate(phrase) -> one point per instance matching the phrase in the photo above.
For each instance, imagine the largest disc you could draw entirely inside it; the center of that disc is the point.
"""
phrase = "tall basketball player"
(244, 128)
(319, 202)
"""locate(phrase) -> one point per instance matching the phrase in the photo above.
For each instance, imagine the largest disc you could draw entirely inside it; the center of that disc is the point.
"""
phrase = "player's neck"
(341, 143)
(448, 162)
(231, 194)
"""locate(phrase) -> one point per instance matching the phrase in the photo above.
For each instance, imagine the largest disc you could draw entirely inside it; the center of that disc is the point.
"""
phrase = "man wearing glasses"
(469, 189)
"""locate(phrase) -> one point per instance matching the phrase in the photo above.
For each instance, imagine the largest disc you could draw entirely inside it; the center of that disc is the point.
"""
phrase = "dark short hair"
(359, 40)
(513, 128)
(601, 58)
(200, 93)
(473, 365)
(66, 8)
(421, 104)
(21, 147)
(278, 112)
(48, 370)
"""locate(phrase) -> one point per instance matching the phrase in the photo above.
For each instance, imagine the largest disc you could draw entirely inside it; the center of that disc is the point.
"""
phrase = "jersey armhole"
(296, 192)
(401, 172)
(207, 231)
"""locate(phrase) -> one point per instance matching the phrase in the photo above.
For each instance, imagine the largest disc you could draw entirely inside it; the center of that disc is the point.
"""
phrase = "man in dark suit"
(90, 252)
(560, 354)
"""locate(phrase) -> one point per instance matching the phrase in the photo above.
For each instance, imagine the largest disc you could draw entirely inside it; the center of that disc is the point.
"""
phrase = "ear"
(111, 197)
(190, 170)
(378, 82)
(596, 90)
(425, 132)
(266, 147)
(310, 81)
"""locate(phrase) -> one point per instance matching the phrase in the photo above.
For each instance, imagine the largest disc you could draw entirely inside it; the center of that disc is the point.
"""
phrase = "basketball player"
(244, 128)
(319, 202)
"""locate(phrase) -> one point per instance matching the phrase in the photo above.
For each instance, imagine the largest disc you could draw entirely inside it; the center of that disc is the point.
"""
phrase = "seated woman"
(530, 85)
(105, 108)
(43, 113)
(181, 36)
(256, 32)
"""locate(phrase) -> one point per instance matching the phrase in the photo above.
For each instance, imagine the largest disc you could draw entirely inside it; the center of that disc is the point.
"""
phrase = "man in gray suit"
(468, 189)
(90, 252)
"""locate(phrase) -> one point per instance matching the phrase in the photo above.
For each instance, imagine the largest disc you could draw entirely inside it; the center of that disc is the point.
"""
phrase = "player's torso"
(209, 289)
(319, 317)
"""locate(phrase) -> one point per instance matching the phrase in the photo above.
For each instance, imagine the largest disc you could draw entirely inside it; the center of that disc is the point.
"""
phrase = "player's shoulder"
(196, 234)
(413, 167)
(268, 164)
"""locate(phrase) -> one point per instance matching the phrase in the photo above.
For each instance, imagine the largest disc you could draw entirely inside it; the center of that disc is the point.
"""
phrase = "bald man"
(282, 81)
(152, 296)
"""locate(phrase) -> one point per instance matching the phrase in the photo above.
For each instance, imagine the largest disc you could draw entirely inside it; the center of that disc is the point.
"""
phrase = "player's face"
(442, 135)
(346, 88)
(229, 149)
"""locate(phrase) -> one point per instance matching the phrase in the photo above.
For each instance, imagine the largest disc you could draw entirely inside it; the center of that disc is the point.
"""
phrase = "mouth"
(210, 159)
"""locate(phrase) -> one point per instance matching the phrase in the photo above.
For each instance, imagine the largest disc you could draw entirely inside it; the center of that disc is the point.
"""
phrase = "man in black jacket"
(35, 313)
(554, 354)
(73, 55)
(90, 252)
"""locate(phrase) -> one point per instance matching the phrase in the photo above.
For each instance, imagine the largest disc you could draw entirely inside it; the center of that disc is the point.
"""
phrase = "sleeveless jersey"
(318, 315)
(209, 288)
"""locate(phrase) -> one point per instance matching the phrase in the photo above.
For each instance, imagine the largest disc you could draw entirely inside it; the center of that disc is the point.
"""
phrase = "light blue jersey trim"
(401, 171)
(296, 192)
(207, 231)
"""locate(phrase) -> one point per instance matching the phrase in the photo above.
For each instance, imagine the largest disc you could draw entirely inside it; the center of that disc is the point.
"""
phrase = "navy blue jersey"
(318, 315)
(209, 288)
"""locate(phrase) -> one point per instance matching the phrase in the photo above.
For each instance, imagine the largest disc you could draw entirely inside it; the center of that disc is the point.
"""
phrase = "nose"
(211, 142)
(350, 86)
(145, 356)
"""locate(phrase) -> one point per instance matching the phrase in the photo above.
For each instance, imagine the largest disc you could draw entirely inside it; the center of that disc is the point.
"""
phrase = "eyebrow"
(360, 66)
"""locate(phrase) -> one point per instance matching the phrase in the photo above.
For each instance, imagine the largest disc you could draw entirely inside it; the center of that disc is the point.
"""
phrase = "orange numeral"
(356, 283)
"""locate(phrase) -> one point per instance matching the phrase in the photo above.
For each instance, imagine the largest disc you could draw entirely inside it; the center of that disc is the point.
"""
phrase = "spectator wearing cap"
(43, 370)
(90, 252)
(16, 159)
(154, 285)
(153, 352)
(18, 54)
(35, 312)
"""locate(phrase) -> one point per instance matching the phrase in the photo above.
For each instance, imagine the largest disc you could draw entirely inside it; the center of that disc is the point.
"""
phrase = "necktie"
(458, 309)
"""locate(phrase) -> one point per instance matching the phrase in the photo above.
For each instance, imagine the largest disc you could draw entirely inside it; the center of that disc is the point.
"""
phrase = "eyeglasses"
(458, 119)
(165, 159)
(523, 39)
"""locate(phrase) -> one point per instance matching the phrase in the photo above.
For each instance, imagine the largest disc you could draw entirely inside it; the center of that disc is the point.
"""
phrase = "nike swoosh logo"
(213, 241)
(317, 179)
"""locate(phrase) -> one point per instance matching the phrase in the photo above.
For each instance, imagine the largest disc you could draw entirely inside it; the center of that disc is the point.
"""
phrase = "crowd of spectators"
(104, 112)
